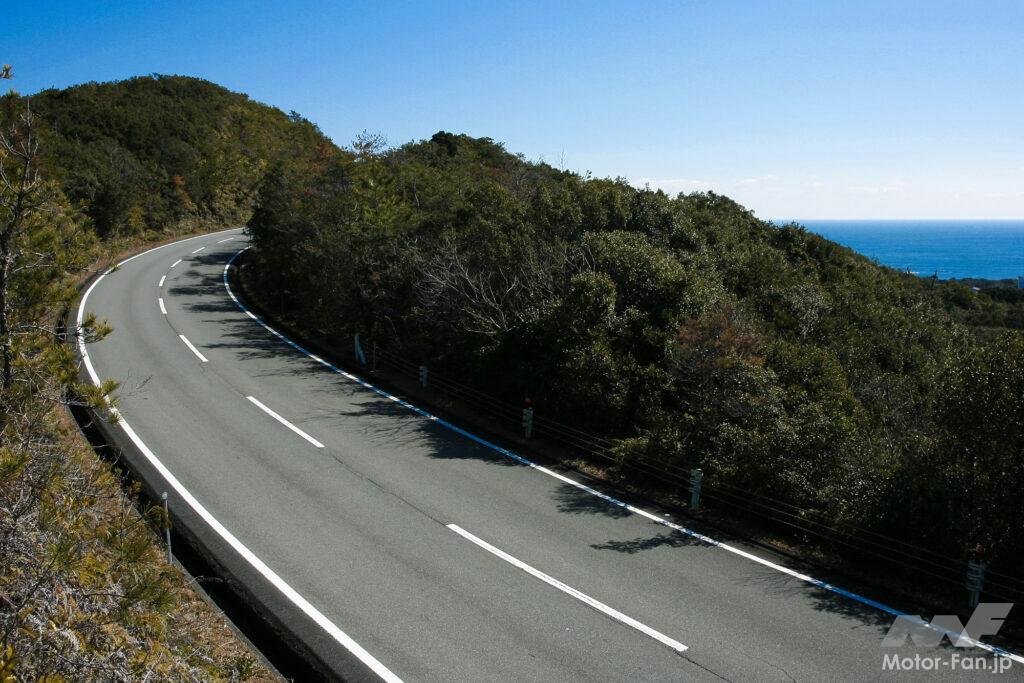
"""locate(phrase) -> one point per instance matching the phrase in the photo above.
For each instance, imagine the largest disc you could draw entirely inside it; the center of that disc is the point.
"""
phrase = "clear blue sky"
(797, 109)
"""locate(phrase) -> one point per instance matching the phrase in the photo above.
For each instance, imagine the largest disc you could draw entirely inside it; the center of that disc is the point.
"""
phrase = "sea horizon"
(989, 248)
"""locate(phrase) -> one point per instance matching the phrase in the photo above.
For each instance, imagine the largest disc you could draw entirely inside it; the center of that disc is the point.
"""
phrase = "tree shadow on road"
(827, 592)
(674, 539)
(386, 422)
(574, 500)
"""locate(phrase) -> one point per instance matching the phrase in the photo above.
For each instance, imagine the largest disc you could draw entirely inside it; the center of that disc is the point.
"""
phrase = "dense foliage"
(986, 307)
(158, 153)
(684, 327)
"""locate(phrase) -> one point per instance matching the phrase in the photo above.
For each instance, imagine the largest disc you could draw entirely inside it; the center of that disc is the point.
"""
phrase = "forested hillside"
(684, 328)
(165, 152)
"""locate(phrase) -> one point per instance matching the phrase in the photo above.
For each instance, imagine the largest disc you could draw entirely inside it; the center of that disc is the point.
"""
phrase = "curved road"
(399, 548)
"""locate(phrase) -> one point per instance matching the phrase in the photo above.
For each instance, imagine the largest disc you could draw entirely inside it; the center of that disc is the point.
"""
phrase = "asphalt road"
(419, 552)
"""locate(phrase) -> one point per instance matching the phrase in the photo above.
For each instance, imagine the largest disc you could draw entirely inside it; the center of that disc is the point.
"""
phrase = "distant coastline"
(988, 253)
(984, 283)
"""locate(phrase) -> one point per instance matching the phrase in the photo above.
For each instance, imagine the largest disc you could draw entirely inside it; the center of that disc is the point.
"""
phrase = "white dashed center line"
(193, 349)
(285, 422)
(569, 590)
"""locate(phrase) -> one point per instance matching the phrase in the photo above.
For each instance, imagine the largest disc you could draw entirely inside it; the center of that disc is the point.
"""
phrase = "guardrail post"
(423, 376)
(528, 422)
(167, 525)
(696, 478)
(974, 582)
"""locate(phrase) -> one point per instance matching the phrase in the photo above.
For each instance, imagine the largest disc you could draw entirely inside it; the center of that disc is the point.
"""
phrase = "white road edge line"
(192, 348)
(569, 590)
(249, 556)
(163, 309)
(172, 265)
(817, 583)
(285, 422)
(161, 283)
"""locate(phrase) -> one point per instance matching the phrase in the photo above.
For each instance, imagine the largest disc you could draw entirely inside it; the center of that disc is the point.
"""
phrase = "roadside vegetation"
(85, 590)
(787, 367)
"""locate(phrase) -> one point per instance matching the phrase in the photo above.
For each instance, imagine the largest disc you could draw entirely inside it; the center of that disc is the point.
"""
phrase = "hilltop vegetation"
(684, 328)
(166, 152)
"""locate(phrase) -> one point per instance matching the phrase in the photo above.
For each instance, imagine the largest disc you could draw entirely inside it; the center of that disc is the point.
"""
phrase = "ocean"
(992, 250)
